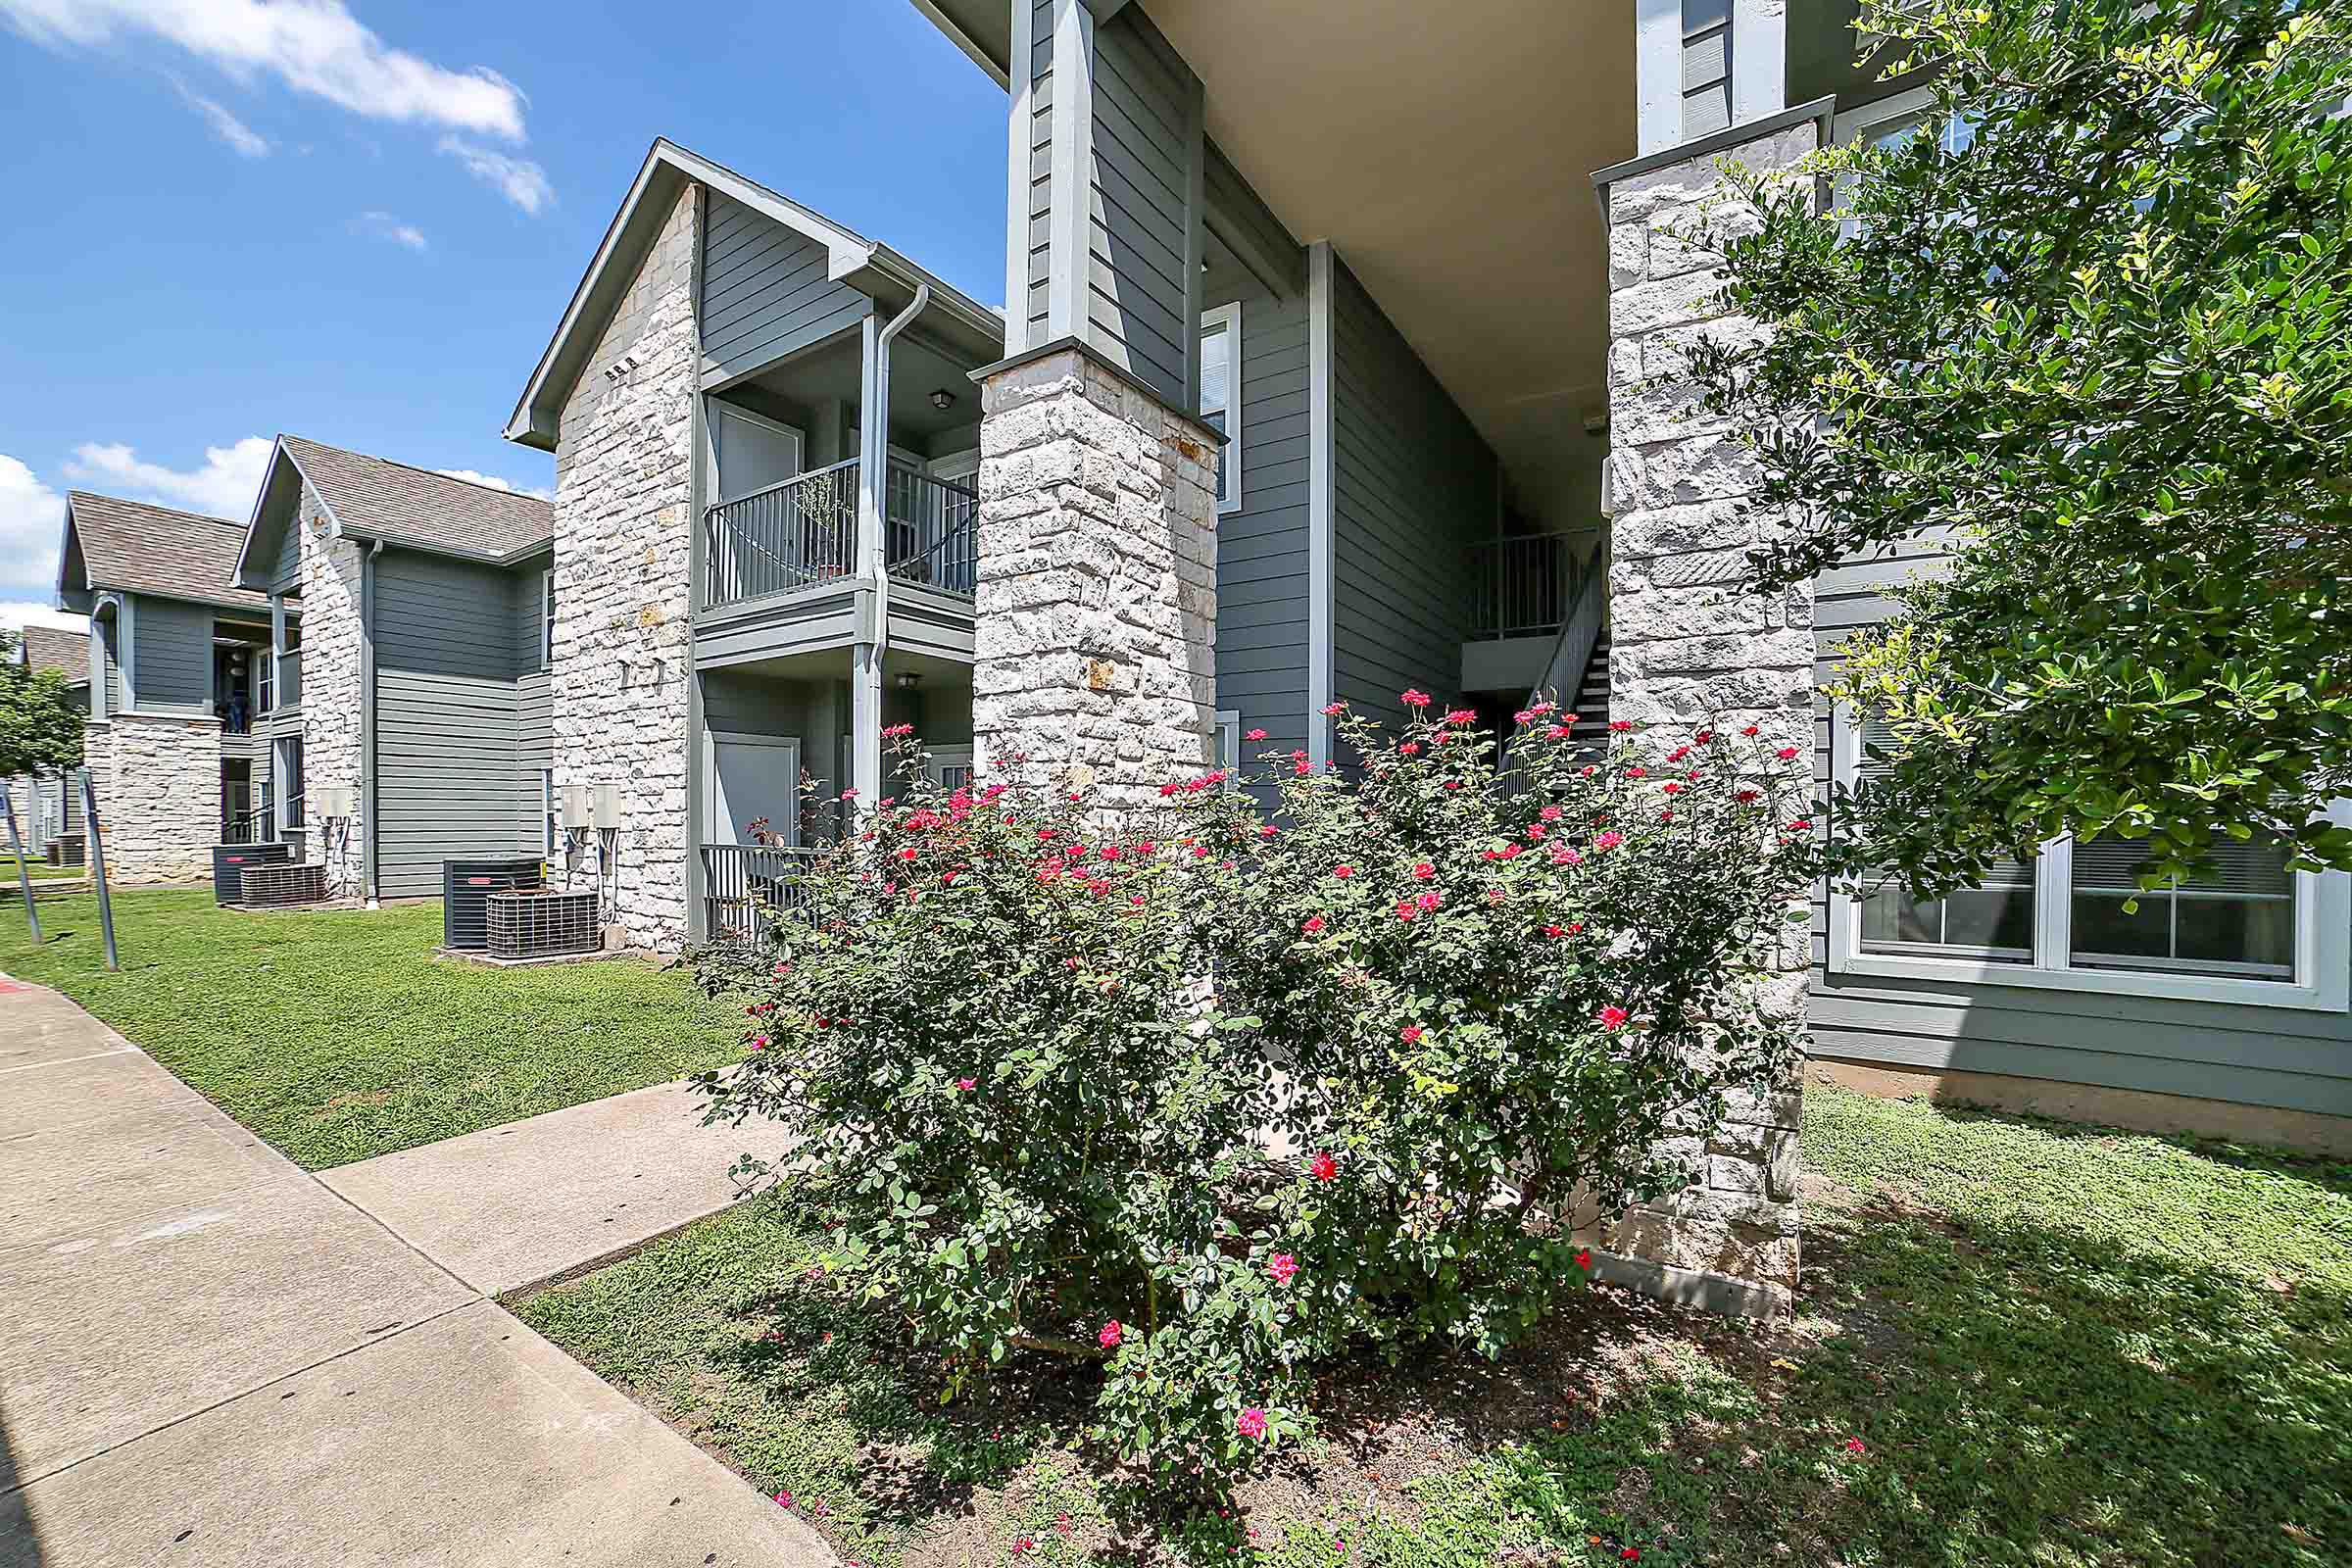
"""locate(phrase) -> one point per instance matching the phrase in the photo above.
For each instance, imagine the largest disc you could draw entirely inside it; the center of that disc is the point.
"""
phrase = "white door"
(753, 778)
(758, 548)
(952, 767)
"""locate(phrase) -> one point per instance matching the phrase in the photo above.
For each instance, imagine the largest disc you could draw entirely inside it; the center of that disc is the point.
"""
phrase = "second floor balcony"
(802, 533)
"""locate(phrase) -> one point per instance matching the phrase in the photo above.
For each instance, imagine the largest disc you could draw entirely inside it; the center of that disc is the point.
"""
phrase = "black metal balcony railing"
(804, 531)
(787, 536)
(746, 886)
(1525, 587)
(934, 531)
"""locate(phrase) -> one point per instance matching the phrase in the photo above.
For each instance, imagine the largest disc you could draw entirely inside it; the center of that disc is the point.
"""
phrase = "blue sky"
(359, 220)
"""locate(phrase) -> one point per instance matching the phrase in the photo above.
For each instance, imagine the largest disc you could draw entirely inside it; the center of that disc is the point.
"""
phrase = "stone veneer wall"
(332, 574)
(624, 533)
(158, 796)
(1687, 642)
(1094, 626)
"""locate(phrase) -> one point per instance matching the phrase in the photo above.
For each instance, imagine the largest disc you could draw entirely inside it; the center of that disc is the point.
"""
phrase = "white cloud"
(314, 46)
(32, 518)
(248, 142)
(224, 487)
(385, 226)
(517, 179)
(36, 612)
(476, 477)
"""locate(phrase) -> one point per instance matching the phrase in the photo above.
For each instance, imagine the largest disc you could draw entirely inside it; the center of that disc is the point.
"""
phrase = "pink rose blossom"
(1108, 1338)
(1255, 735)
(1423, 870)
(1410, 1034)
(1609, 840)
(1283, 1266)
(1253, 1423)
(1612, 1016)
(1413, 699)
(967, 1084)
(1325, 1167)
(1313, 925)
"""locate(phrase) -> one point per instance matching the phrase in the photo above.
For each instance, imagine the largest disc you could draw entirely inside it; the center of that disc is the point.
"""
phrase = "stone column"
(1096, 616)
(162, 799)
(1687, 642)
(333, 580)
(624, 546)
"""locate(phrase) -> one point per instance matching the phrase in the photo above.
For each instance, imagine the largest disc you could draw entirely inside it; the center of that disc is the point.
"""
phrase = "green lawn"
(337, 1035)
(2057, 1345)
(39, 871)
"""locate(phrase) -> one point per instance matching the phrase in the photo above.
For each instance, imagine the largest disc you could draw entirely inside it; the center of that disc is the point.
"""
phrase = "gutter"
(879, 417)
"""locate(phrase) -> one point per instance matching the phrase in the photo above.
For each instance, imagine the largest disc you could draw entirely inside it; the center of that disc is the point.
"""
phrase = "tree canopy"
(40, 725)
(2088, 326)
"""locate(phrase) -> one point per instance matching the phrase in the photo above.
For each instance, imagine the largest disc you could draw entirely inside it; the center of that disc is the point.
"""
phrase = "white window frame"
(1229, 745)
(1227, 318)
(547, 618)
(2323, 978)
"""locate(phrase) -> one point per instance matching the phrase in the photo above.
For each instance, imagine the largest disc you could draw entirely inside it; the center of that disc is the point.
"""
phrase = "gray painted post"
(16, 845)
(105, 907)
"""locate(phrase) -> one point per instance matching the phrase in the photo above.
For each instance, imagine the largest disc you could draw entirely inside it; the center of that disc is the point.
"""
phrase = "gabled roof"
(374, 498)
(55, 647)
(129, 546)
(868, 266)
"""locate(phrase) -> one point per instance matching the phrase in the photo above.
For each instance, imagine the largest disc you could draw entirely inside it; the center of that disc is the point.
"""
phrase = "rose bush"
(1208, 1094)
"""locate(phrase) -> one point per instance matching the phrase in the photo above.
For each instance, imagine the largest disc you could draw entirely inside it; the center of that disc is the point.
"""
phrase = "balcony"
(746, 886)
(802, 533)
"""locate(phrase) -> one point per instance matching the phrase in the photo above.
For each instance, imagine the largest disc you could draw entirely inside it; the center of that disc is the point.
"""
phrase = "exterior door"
(758, 548)
(753, 778)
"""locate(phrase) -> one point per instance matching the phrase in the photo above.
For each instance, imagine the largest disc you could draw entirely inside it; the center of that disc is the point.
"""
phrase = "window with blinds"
(1991, 922)
(1707, 67)
(2240, 922)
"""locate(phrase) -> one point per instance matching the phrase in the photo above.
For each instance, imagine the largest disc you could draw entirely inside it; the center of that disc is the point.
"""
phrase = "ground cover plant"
(337, 1034)
(1449, 1006)
(2017, 1342)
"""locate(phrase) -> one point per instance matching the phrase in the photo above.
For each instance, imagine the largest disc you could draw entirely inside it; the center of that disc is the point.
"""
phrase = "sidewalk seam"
(24, 1482)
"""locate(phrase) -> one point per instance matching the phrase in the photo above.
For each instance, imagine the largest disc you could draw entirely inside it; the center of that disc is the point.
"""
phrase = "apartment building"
(182, 697)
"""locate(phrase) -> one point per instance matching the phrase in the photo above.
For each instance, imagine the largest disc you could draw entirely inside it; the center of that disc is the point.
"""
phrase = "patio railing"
(804, 531)
(934, 531)
(787, 536)
(745, 886)
(1525, 587)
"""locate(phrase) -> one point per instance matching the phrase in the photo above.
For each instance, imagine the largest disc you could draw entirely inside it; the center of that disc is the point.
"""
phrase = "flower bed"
(1455, 1013)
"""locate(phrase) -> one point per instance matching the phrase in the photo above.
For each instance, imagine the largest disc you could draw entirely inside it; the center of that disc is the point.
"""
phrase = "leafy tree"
(40, 728)
(2094, 321)
(1209, 1096)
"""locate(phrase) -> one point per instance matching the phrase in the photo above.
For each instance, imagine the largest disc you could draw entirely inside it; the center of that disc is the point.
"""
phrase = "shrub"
(1451, 1009)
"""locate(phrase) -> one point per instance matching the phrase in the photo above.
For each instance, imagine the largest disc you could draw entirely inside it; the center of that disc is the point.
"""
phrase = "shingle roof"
(55, 647)
(157, 550)
(403, 506)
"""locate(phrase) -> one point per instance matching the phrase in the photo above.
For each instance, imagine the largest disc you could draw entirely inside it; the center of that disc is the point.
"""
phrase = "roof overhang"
(669, 169)
(1444, 151)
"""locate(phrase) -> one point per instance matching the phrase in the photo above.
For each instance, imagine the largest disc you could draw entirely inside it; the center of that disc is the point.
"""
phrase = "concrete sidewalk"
(208, 1357)
(515, 1206)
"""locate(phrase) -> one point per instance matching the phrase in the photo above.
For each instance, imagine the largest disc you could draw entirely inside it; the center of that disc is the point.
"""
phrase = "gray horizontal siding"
(171, 656)
(1041, 168)
(1262, 548)
(1234, 212)
(765, 293)
(448, 726)
(2279, 1057)
(1136, 235)
(285, 574)
(1413, 484)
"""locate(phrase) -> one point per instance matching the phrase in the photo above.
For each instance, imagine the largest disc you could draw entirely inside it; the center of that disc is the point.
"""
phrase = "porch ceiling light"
(943, 399)
(906, 679)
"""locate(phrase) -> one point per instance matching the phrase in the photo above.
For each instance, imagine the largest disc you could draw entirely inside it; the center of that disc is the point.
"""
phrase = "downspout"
(879, 562)
(368, 812)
